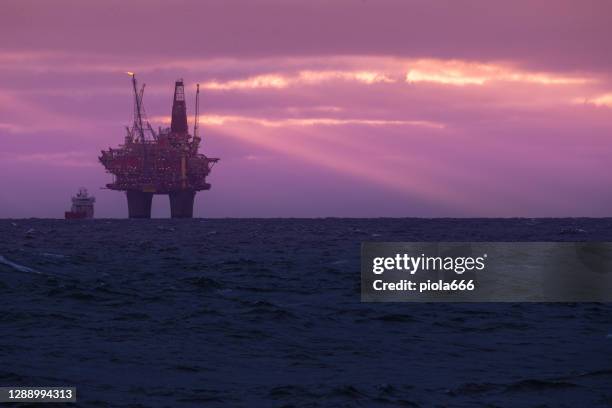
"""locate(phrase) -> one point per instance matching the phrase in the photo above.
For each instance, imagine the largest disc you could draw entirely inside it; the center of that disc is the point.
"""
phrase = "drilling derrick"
(179, 110)
(163, 162)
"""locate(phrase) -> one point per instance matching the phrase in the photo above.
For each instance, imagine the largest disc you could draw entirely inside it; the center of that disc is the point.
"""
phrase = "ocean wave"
(17, 267)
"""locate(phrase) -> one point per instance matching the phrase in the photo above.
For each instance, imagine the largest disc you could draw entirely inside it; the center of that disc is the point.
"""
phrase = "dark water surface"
(267, 313)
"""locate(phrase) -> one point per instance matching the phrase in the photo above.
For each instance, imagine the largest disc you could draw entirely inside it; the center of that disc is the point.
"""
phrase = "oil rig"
(165, 161)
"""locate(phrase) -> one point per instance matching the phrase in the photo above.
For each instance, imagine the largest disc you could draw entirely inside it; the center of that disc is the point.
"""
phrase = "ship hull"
(71, 215)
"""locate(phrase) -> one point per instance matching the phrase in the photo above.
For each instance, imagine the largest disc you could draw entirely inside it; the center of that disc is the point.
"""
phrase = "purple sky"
(319, 108)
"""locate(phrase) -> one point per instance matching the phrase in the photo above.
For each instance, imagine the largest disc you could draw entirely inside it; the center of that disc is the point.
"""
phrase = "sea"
(267, 313)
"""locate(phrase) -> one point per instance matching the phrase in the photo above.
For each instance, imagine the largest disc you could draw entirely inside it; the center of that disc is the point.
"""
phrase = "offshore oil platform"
(165, 161)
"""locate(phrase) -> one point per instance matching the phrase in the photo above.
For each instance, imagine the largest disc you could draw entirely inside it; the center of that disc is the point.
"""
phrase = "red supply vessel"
(82, 206)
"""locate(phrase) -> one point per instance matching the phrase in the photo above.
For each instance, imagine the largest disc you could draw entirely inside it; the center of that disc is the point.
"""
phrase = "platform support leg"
(139, 204)
(181, 203)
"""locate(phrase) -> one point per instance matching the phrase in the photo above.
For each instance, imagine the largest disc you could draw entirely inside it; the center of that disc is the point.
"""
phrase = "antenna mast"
(196, 124)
